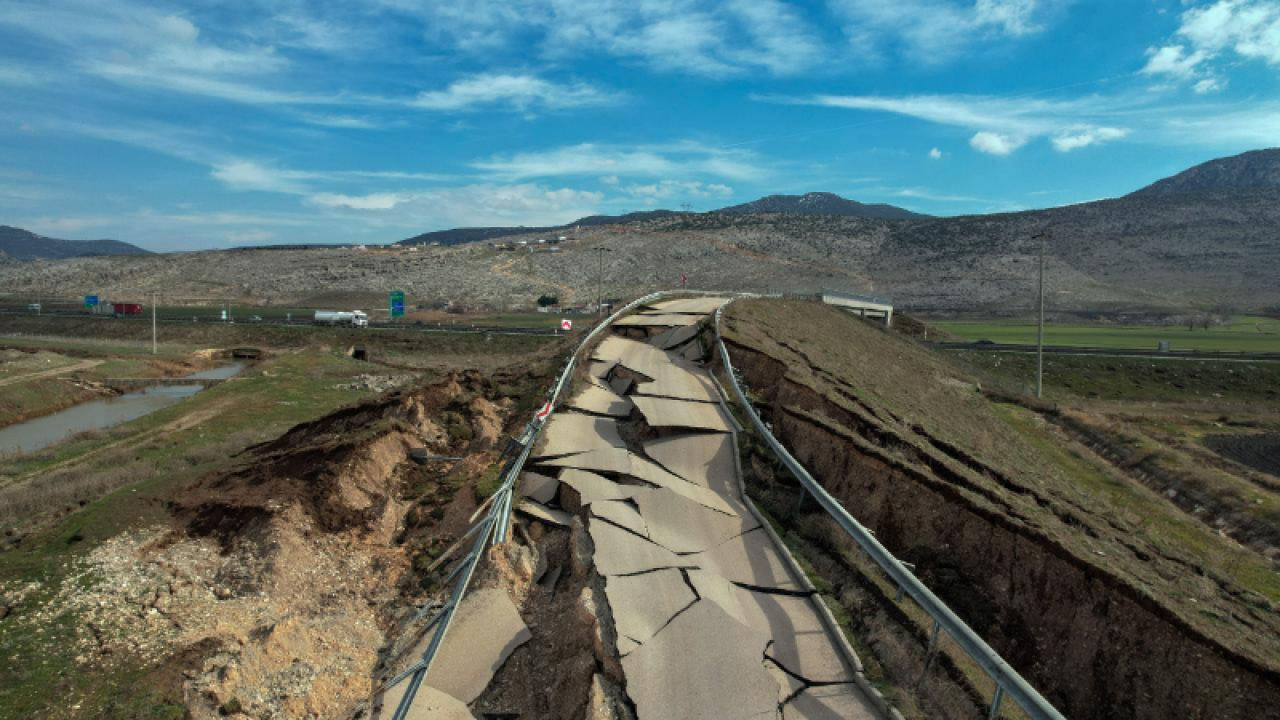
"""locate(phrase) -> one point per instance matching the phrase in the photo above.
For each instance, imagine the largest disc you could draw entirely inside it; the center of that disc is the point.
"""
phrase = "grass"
(1242, 334)
(1174, 532)
(528, 320)
(1131, 379)
(923, 399)
(271, 398)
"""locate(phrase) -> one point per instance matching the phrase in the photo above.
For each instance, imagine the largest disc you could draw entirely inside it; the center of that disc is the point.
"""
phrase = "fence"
(1007, 680)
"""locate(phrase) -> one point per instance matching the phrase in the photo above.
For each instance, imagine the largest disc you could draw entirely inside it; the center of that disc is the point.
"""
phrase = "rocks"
(375, 383)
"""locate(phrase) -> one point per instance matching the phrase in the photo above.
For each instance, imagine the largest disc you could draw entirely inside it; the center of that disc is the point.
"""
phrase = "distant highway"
(187, 319)
(1110, 352)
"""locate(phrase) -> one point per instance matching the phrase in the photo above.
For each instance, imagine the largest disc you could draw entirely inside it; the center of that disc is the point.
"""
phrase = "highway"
(170, 318)
(708, 616)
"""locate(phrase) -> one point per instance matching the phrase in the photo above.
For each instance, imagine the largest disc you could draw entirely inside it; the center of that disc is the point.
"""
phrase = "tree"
(545, 300)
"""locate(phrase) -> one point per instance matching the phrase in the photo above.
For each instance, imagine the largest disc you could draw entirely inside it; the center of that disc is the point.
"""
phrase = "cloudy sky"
(211, 124)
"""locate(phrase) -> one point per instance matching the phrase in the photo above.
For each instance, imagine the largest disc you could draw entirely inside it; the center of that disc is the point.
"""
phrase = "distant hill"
(460, 236)
(1254, 170)
(822, 203)
(817, 203)
(19, 244)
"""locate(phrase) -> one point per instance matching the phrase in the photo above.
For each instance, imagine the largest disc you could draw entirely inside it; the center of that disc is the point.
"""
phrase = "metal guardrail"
(493, 527)
(1007, 680)
(864, 297)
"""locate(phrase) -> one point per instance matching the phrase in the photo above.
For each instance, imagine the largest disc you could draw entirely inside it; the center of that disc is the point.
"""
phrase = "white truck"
(355, 318)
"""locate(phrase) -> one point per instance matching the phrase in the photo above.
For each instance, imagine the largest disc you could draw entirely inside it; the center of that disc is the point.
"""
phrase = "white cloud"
(485, 204)
(1085, 137)
(701, 37)
(1208, 35)
(686, 158)
(935, 154)
(373, 201)
(678, 188)
(1173, 60)
(996, 144)
(518, 91)
(1208, 85)
(249, 175)
(934, 31)
(1001, 125)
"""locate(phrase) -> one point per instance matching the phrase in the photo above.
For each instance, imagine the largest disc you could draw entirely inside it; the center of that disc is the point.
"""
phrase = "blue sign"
(397, 303)
(90, 301)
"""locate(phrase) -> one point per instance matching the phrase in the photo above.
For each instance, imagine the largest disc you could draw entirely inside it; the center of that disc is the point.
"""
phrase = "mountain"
(19, 244)
(460, 236)
(1254, 170)
(822, 203)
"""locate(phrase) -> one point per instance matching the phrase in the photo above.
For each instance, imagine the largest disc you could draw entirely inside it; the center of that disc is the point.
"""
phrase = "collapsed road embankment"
(1105, 618)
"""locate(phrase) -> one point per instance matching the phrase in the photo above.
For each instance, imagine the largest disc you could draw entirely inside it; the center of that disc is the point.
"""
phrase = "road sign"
(566, 325)
(544, 412)
(396, 299)
(91, 301)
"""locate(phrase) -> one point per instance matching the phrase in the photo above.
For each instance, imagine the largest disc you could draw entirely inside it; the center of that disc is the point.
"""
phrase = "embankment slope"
(1108, 598)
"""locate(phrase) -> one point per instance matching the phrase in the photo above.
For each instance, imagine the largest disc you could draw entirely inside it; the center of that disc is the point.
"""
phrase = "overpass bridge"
(860, 303)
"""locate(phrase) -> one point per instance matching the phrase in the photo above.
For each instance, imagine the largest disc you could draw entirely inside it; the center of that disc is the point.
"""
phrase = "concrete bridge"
(131, 384)
(860, 303)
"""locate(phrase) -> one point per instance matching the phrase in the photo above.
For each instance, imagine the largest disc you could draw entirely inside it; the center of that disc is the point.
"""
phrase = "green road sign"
(396, 300)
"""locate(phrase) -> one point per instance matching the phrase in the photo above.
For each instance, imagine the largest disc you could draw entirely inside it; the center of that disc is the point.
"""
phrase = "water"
(42, 432)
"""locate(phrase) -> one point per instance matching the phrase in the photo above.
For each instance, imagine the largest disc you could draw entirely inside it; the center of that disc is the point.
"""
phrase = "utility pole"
(600, 251)
(1043, 238)
(153, 323)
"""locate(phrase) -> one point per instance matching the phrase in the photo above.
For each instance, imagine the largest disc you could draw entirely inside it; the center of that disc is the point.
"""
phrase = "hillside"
(1255, 170)
(460, 236)
(821, 203)
(19, 244)
(815, 203)
(1213, 249)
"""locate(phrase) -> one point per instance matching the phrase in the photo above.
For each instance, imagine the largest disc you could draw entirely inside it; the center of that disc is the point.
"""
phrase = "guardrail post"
(930, 652)
(995, 703)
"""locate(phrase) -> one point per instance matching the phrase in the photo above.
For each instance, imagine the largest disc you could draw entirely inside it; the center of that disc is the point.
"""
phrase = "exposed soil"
(1097, 644)
(1260, 452)
(277, 587)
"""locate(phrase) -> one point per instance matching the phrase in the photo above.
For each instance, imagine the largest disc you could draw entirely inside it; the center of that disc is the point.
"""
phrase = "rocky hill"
(1255, 170)
(19, 244)
(1212, 249)
(821, 203)
(459, 236)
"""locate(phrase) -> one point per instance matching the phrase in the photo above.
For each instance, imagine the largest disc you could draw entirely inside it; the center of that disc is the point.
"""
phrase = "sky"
(190, 125)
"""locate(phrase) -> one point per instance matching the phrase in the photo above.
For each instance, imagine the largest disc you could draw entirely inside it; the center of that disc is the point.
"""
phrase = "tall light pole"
(1043, 238)
(600, 251)
(153, 323)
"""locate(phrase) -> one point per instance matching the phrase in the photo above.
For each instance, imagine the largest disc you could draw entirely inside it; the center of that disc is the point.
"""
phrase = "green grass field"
(1242, 334)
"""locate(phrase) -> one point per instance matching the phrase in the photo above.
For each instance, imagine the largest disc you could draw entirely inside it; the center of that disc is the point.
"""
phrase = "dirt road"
(82, 365)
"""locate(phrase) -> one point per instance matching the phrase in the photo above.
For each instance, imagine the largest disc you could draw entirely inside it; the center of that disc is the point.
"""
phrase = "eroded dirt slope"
(273, 591)
(1105, 596)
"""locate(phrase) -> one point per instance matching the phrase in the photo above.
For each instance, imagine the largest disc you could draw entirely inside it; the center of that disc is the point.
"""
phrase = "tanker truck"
(355, 318)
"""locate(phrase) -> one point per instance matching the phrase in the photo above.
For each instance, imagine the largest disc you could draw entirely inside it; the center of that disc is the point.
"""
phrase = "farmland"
(1240, 334)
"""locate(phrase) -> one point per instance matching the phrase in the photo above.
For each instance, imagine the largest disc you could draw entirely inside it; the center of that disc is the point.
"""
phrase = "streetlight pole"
(1043, 238)
(600, 251)
(153, 323)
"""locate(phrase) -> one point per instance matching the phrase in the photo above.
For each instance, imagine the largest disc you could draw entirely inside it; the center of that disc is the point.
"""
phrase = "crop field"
(1241, 334)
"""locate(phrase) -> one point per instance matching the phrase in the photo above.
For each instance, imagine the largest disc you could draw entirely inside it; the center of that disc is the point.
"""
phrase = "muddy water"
(42, 432)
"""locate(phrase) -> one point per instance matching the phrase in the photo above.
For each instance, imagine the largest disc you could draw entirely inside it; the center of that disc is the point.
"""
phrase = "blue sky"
(209, 124)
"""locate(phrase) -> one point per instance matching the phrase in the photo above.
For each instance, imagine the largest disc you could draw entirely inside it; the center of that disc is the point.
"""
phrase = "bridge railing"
(1007, 680)
(859, 297)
